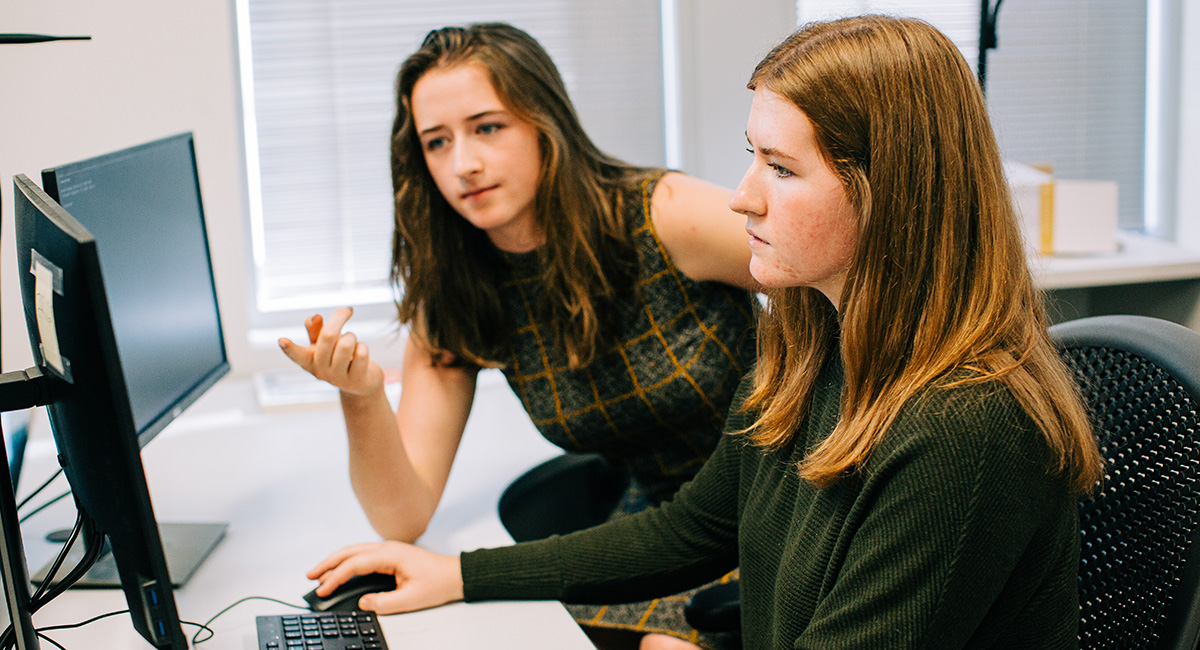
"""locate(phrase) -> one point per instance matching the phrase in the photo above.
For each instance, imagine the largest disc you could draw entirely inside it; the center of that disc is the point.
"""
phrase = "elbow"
(400, 529)
(409, 533)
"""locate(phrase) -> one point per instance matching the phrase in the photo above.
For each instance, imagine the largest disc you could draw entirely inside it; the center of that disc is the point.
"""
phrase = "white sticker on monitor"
(47, 281)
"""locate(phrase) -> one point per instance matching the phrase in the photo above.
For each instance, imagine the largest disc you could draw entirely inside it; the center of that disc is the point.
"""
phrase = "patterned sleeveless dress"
(654, 403)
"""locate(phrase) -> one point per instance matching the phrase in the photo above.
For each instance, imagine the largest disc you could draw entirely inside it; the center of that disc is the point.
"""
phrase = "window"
(317, 79)
(1067, 86)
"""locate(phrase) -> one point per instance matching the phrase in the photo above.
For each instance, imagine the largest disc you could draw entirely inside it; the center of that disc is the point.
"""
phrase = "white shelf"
(1140, 258)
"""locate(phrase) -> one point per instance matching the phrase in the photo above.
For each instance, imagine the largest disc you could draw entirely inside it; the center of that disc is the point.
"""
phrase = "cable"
(45, 591)
(93, 550)
(58, 561)
(44, 506)
(39, 488)
(205, 626)
(69, 626)
(196, 640)
(52, 641)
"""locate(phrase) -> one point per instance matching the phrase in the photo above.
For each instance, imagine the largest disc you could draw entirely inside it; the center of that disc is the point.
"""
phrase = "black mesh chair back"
(569, 492)
(1139, 563)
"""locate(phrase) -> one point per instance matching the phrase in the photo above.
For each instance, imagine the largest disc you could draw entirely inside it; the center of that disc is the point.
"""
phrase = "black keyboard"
(320, 631)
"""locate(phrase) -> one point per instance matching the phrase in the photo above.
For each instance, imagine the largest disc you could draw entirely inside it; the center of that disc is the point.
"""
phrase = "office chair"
(1139, 570)
(564, 494)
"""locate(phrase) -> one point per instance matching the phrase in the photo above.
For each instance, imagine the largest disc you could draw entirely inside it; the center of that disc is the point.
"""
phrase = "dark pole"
(39, 38)
(987, 37)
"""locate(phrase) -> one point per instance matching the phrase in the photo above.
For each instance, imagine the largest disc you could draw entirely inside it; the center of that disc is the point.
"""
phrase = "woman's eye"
(488, 129)
(781, 172)
(434, 144)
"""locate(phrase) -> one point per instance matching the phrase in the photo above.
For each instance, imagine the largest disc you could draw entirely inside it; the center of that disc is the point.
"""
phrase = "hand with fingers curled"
(424, 579)
(335, 356)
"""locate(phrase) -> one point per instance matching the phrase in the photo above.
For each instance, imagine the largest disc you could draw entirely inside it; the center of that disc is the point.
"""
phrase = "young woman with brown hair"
(613, 297)
(903, 467)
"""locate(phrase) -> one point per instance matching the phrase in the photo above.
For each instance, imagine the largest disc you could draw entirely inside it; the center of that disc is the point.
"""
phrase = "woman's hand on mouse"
(335, 356)
(423, 578)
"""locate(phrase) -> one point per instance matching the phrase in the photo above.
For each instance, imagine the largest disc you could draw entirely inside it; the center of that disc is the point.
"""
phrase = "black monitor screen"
(143, 205)
(68, 318)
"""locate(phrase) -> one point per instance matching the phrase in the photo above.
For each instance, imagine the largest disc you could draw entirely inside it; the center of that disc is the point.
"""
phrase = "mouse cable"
(70, 626)
(205, 626)
(39, 488)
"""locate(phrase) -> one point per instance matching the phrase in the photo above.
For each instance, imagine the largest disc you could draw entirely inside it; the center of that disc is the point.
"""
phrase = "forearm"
(399, 462)
(396, 500)
(613, 563)
(683, 543)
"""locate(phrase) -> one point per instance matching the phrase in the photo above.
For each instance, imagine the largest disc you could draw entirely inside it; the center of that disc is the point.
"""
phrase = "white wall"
(155, 69)
(152, 69)
(720, 42)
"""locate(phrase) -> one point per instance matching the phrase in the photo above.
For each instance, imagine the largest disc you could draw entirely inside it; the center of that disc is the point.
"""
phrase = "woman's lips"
(475, 194)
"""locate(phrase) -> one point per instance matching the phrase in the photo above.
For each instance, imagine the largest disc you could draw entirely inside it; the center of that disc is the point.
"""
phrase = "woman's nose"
(466, 159)
(747, 199)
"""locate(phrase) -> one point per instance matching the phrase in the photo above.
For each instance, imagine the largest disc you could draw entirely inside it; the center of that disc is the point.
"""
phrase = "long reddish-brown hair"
(938, 290)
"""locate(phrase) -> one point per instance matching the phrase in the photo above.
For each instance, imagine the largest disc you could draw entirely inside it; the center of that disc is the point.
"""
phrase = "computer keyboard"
(320, 631)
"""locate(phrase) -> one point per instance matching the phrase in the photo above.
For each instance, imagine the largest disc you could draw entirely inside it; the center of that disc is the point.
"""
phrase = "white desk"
(280, 480)
(1140, 259)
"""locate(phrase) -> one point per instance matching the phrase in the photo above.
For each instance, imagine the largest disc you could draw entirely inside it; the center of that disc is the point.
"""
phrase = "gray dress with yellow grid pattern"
(654, 403)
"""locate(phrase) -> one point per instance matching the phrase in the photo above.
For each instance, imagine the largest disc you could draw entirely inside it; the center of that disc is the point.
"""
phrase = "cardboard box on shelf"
(1064, 216)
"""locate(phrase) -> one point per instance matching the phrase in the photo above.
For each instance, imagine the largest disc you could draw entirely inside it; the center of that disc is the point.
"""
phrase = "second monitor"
(144, 208)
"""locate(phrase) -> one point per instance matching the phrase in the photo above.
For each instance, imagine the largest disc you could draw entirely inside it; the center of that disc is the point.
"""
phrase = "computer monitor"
(143, 206)
(73, 329)
(16, 618)
(67, 314)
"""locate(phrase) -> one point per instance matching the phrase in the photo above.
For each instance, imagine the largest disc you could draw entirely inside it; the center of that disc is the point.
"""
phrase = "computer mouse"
(345, 597)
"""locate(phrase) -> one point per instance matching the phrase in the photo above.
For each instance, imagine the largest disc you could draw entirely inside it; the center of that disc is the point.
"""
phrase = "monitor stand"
(184, 545)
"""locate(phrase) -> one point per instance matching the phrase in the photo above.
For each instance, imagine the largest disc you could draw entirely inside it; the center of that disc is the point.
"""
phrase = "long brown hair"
(938, 291)
(448, 271)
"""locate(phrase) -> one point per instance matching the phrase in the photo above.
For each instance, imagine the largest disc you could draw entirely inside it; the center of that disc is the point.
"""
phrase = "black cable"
(52, 641)
(44, 506)
(39, 488)
(196, 640)
(205, 626)
(45, 591)
(70, 626)
(58, 561)
(93, 551)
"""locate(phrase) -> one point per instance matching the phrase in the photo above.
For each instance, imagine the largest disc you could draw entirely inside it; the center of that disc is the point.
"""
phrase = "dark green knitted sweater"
(953, 535)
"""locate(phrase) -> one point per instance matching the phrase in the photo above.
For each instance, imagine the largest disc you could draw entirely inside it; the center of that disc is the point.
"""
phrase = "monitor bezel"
(166, 415)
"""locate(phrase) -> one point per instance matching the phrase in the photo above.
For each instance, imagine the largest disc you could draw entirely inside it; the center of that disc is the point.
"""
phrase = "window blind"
(1066, 85)
(318, 79)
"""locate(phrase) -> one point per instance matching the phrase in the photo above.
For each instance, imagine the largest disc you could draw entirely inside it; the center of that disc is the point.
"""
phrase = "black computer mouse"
(345, 597)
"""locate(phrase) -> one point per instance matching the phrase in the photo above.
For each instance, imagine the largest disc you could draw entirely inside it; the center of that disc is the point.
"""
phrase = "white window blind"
(318, 79)
(1066, 85)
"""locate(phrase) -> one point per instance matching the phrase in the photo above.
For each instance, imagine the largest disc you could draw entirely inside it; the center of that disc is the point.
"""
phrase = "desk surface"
(280, 481)
(1140, 259)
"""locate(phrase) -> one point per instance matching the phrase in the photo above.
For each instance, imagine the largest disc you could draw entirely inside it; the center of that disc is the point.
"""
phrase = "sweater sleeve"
(960, 529)
(682, 543)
